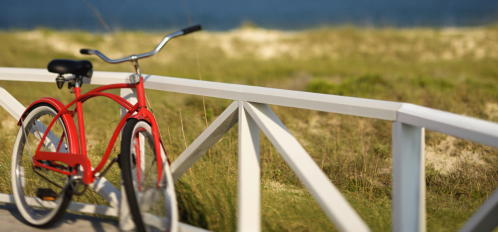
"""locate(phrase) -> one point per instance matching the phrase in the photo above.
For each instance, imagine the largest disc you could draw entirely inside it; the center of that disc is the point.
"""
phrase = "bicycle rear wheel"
(152, 208)
(39, 193)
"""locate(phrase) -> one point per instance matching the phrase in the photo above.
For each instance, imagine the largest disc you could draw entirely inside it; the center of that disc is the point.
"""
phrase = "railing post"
(408, 178)
(249, 216)
(125, 220)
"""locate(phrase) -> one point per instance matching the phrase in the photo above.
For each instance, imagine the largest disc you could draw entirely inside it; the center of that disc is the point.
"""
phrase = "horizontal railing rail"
(250, 110)
(313, 101)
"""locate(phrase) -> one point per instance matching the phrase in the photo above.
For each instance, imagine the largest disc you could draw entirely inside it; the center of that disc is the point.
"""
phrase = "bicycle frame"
(73, 158)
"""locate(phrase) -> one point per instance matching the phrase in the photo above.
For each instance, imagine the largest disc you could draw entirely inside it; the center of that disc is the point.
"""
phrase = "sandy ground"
(425, 45)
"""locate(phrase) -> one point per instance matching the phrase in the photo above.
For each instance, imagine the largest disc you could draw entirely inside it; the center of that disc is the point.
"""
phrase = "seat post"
(81, 124)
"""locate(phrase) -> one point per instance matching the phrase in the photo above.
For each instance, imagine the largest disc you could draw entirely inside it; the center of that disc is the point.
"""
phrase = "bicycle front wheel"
(40, 194)
(152, 208)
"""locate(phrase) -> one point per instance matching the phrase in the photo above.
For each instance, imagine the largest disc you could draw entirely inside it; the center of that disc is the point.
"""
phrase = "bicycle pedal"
(46, 194)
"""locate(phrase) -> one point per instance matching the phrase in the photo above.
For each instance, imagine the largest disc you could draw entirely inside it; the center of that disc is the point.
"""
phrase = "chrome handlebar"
(144, 55)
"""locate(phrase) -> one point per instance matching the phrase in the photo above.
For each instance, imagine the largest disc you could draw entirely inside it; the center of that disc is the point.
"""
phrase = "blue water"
(154, 15)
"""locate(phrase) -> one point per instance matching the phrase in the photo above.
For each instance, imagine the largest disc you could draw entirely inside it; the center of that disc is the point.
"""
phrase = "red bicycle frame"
(78, 153)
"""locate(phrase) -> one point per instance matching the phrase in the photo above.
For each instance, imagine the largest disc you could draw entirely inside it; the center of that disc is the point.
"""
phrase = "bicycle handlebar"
(144, 55)
(191, 29)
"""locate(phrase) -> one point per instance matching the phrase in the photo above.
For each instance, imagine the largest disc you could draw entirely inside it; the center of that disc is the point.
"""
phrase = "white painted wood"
(327, 195)
(249, 194)
(76, 206)
(125, 218)
(485, 218)
(93, 209)
(448, 123)
(10, 104)
(7, 198)
(130, 95)
(182, 227)
(459, 126)
(408, 178)
(314, 101)
(155, 221)
(42, 75)
(105, 189)
(206, 140)
(27, 74)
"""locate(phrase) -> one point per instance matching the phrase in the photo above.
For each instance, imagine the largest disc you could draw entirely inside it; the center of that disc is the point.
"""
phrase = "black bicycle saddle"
(76, 67)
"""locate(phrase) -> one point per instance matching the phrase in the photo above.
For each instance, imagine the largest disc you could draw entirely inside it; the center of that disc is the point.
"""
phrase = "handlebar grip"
(85, 51)
(192, 29)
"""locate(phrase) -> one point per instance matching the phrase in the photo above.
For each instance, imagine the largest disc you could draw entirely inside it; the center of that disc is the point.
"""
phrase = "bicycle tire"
(152, 208)
(26, 180)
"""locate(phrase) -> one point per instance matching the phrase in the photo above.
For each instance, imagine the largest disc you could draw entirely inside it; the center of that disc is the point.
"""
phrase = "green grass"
(448, 69)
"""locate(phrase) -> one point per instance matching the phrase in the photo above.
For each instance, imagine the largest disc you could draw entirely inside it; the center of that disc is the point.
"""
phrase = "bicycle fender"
(72, 134)
(138, 117)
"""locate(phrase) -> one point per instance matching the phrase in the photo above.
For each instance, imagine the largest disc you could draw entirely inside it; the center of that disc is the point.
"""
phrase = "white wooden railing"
(251, 111)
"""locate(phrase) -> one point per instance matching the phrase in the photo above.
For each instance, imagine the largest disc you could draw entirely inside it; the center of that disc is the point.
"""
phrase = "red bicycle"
(50, 163)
